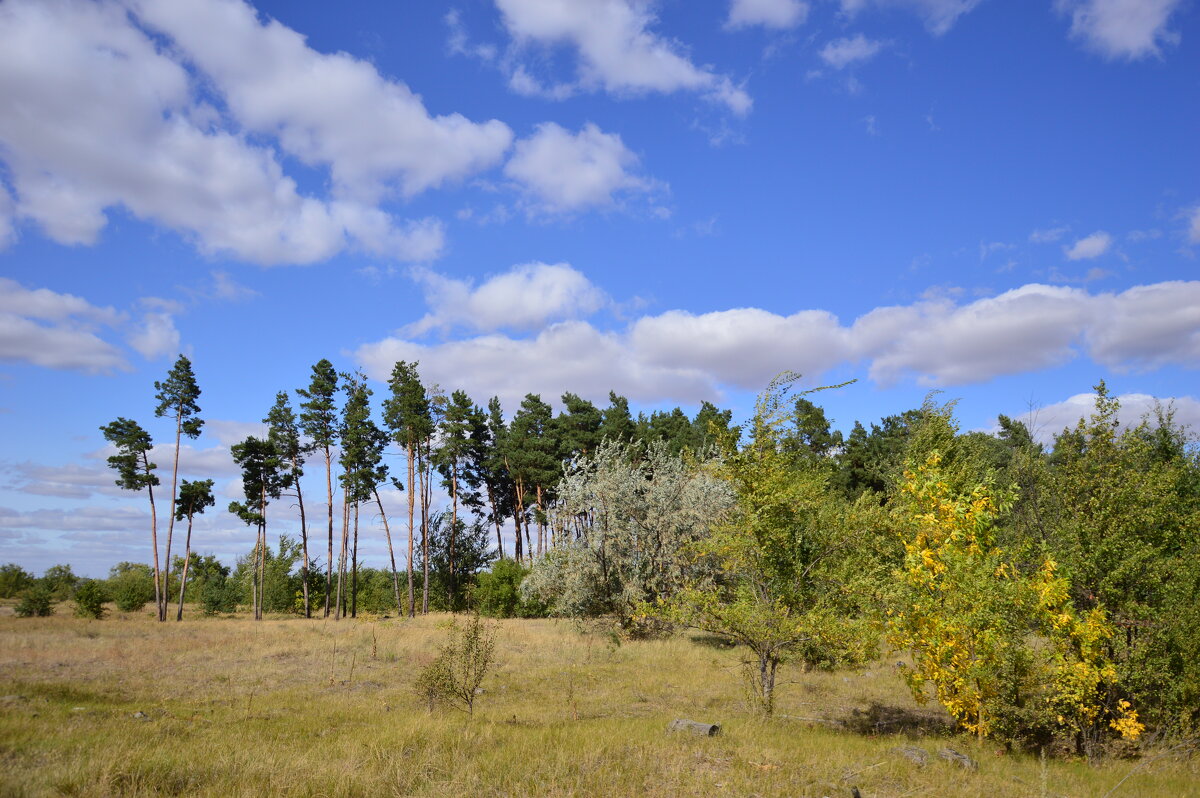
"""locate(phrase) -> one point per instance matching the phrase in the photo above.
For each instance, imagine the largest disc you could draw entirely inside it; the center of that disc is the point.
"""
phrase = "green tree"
(263, 479)
(782, 558)
(131, 585)
(530, 456)
(13, 580)
(617, 423)
(284, 434)
(60, 580)
(177, 396)
(362, 472)
(318, 420)
(136, 472)
(408, 422)
(486, 463)
(194, 497)
(89, 599)
(451, 457)
(577, 427)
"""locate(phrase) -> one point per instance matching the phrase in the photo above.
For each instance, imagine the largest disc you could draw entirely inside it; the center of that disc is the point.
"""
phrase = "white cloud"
(744, 347)
(568, 356)
(229, 432)
(1026, 329)
(1148, 326)
(226, 288)
(1092, 246)
(1128, 29)
(156, 336)
(680, 356)
(8, 227)
(342, 113)
(527, 297)
(939, 15)
(1048, 421)
(617, 50)
(768, 13)
(840, 53)
(566, 171)
(1049, 235)
(53, 330)
(153, 146)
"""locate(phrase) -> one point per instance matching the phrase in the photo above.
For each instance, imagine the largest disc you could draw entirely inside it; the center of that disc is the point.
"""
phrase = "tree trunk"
(495, 519)
(424, 480)
(166, 595)
(412, 599)
(329, 553)
(303, 542)
(154, 537)
(187, 561)
(391, 554)
(541, 523)
(354, 568)
(340, 597)
(453, 529)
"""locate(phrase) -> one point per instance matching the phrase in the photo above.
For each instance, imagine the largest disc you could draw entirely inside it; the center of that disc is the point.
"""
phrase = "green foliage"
(13, 580)
(89, 599)
(779, 559)
(498, 593)
(132, 463)
(131, 586)
(177, 396)
(317, 417)
(60, 580)
(454, 677)
(281, 587)
(449, 588)
(35, 602)
(194, 497)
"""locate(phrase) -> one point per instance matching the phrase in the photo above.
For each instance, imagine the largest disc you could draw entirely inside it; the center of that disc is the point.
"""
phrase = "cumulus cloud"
(840, 53)
(564, 172)
(527, 297)
(939, 15)
(768, 13)
(1048, 421)
(8, 227)
(617, 50)
(679, 356)
(156, 148)
(1092, 246)
(58, 331)
(71, 481)
(1122, 29)
(156, 335)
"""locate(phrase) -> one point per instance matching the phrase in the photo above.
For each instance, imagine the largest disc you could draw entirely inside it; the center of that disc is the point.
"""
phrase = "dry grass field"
(289, 707)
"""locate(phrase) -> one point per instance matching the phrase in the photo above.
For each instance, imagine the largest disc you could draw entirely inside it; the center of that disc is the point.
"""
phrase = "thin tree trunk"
(262, 556)
(254, 572)
(329, 553)
(412, 600)
(495, 519)
(391, 553)
(166, 595)
(303, 542)
(338, 599)
(425, 480)
(354, 568)
(453, 529)
(541, 523)
(187, 561)
(153, 536)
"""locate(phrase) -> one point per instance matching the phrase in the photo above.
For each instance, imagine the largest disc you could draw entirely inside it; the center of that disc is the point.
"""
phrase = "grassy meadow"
(292, 707)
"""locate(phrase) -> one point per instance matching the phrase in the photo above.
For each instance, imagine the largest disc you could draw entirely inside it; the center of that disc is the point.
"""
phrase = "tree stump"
(693, 727)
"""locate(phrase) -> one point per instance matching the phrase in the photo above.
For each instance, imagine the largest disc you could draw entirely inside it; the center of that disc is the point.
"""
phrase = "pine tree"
(263, 479)
(194, 497)
(177, 397)
(319, 422)
(406, 416)
(284, 435)
(135, 472)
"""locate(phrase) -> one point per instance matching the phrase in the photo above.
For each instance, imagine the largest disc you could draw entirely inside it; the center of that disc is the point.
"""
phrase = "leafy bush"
(454, 677)
(13, 580)
(498, 594)
(89, 599)
(219, 595)
(60, 581)
(131, 586)
(36, 602)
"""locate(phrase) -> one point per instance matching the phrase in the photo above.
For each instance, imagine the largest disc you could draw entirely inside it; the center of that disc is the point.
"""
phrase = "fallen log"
(702, 729)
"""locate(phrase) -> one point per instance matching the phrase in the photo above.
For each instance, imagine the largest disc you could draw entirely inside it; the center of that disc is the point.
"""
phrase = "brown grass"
(234, 707)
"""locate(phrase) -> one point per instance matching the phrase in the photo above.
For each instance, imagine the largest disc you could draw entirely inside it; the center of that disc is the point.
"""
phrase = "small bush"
(218, 595)
(89, 600)
(131, 590)
(454, 677)
(37, 602)
(498, 594)
(13, 580)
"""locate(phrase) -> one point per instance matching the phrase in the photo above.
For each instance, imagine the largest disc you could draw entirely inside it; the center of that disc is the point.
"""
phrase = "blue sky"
(675, 200)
